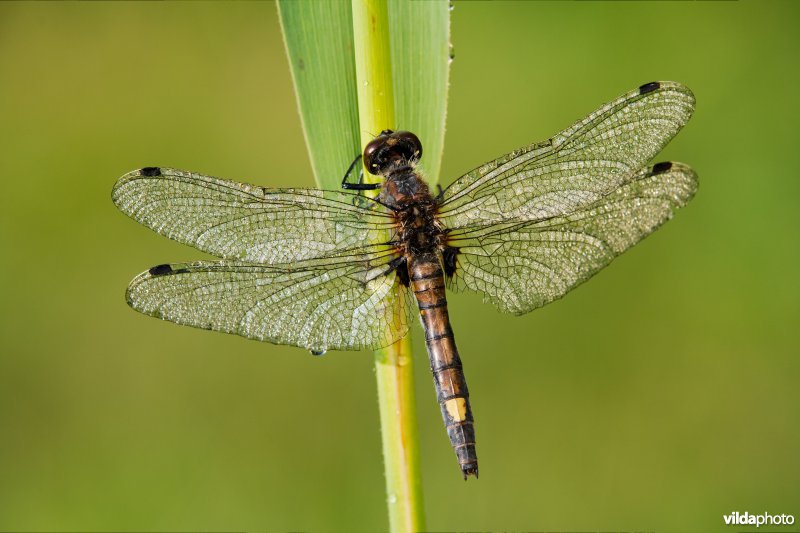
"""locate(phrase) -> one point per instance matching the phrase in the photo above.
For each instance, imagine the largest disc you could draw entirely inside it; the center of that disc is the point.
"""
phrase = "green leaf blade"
(319, 45)
(320, 48)
(420, 44)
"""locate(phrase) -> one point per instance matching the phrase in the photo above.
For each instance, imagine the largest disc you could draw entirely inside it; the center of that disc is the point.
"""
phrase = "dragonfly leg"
(360, 186)
(440, 195)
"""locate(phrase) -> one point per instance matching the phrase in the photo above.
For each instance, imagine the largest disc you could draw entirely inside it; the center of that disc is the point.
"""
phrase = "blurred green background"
(659, 396)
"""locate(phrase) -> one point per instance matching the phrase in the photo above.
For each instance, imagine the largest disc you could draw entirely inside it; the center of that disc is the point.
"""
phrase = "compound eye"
(411, 143)
(372, 147)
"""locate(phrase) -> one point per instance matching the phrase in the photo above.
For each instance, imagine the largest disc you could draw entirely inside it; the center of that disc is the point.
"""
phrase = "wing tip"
(660, 168)
(649, 87)
(147, 172)
(160, 270)
(672, 166)
(674, 86)
(687, 173)
(150, 172)
(136, 285)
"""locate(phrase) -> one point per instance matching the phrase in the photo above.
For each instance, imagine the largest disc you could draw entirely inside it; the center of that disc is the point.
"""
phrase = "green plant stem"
(393, 365)
(373, 69)
(395, 375)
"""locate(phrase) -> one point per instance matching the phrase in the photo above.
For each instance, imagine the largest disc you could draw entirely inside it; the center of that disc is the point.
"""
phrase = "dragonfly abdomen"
(427, 282)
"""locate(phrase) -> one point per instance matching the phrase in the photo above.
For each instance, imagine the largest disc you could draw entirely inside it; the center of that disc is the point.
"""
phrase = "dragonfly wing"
(520, 266)
(575, 168)
(250, 223)
(316, 305)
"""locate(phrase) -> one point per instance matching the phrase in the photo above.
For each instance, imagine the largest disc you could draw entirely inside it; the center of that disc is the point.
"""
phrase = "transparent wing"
(520, 266)
(576, 167)
(249, 223)
(317, 305)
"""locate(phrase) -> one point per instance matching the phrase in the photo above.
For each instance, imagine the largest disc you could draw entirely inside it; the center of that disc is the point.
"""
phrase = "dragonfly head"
(391, 149)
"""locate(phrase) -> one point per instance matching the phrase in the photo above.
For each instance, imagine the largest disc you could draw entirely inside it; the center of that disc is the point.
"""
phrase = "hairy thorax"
(419, 232)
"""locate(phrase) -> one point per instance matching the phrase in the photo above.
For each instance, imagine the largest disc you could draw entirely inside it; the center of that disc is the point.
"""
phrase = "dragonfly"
(341, 270)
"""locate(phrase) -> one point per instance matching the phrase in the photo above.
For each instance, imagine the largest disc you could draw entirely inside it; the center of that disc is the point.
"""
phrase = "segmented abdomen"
(427, 282)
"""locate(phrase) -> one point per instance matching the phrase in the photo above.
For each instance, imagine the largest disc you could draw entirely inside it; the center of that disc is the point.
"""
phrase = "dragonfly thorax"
(403, 188)
(406, 193)
(418, 230)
